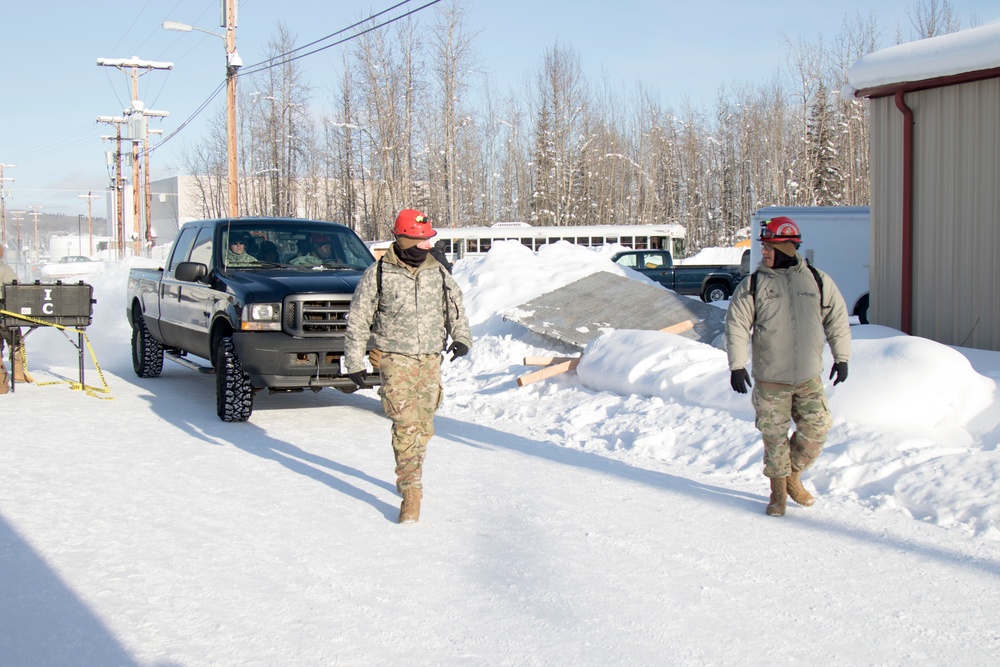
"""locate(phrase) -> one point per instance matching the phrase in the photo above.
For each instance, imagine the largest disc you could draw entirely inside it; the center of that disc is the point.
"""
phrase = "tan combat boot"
(409, 511)
(778, 497)
(796, 491)
(19, 374)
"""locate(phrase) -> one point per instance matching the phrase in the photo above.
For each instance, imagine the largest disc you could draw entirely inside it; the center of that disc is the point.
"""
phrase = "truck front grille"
(316, 315)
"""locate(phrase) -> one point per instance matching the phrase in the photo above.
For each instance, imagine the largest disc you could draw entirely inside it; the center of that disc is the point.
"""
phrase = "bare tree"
(930, 18)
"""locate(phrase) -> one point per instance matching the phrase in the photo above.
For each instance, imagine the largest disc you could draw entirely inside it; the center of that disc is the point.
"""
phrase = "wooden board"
(555, 369)
(578, 313)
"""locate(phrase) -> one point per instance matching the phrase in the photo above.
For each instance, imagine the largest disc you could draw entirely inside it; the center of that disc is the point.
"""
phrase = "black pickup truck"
(263, 300)
(711, 283)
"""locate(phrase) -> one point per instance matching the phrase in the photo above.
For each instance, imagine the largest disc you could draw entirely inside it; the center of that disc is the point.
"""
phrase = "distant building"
(935, 183)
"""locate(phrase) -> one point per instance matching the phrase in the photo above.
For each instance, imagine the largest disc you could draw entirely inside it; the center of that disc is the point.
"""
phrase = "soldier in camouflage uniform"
(792, 310)
(412, 306)
(236, 253)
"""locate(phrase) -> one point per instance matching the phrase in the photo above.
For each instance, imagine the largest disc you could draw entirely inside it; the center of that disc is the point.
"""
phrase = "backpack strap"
(812, 269)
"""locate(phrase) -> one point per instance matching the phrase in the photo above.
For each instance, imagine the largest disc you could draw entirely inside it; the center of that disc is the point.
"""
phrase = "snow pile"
(915, 425)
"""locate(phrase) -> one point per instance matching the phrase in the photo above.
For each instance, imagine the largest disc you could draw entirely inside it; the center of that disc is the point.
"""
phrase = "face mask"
(412, 256)
(783, 261)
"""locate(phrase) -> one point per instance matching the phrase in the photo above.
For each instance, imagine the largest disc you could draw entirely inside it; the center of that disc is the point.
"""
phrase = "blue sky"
(53, 89)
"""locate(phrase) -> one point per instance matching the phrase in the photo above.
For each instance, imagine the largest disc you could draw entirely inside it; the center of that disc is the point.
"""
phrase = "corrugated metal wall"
(956, 233)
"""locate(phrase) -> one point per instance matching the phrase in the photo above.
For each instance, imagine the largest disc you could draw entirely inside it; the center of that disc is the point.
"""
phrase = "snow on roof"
(946, 55)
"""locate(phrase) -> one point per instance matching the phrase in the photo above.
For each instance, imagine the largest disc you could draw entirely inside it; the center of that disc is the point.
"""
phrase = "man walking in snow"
(787, 310)
(411, 305)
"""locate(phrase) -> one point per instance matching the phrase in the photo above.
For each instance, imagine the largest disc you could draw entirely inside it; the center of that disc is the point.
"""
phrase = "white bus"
(476, 241)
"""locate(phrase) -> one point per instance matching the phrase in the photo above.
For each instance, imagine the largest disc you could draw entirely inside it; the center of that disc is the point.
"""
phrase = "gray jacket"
(415, 313)
(789, 325)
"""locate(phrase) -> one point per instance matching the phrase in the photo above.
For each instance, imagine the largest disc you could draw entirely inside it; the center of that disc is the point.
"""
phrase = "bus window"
(582, 240)
(484, 245)
(641, 243)
(678, 250)
(627, 241)
(526, 243)
(539, 243)
(656, 243)
(471, 245)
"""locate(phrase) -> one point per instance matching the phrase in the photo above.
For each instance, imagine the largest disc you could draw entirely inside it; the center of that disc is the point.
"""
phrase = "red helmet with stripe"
(780, 230)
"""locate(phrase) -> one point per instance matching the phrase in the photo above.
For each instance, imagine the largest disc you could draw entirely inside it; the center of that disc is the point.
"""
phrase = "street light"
(233, 63)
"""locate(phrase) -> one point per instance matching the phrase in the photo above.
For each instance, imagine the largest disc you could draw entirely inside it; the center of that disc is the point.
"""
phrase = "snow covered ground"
(614, 515)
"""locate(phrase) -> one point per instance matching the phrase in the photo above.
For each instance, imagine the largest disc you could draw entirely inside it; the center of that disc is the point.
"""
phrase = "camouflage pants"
(411, 393)
(777, 406)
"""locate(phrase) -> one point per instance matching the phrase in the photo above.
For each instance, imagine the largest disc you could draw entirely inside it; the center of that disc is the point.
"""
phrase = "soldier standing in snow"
(792, 310)
(411, 305)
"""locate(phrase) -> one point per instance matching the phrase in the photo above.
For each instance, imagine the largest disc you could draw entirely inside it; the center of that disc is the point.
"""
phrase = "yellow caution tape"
(90, 391)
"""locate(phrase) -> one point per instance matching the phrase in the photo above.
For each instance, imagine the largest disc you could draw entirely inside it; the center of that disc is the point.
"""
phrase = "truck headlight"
(261, 317)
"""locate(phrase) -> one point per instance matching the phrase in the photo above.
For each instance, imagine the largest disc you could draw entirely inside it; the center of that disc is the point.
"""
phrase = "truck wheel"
(233, 391)
(861, 310)
(147, 352)
(715, 292)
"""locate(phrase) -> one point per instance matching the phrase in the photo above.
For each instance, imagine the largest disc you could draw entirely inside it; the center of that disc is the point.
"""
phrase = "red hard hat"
(780, 230)
(413, 224)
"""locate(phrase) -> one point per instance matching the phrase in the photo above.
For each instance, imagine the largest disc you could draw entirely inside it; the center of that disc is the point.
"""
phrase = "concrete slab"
(578, 313)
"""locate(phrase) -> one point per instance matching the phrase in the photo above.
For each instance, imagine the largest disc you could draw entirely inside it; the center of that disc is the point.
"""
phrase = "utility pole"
(18, 216)
(3, 202)
(118, 185)
(233, 64)
(137, 132)
(90, 221)
(149, 191)
(34, 214)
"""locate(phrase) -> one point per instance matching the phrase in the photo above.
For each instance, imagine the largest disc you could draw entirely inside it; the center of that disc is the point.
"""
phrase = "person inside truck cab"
(269, 253)
(237, 254)
(322, 251)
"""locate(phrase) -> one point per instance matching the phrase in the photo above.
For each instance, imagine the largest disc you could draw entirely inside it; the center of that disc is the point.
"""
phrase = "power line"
(262, 67)
(270, 63)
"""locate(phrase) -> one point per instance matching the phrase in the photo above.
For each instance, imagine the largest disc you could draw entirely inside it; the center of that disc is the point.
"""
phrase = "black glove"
(840, 370)
(358, 379)
(739, 380)
(458, 350)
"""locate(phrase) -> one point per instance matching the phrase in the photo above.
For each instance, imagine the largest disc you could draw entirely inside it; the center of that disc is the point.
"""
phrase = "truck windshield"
(270, 244)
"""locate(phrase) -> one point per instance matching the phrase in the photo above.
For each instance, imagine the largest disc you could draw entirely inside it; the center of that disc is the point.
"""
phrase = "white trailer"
(835, 239)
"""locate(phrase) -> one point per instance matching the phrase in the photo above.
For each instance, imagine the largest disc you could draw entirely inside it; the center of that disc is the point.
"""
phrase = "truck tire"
(861, 310)
(233, 391)
(147, 352)
(715, 292)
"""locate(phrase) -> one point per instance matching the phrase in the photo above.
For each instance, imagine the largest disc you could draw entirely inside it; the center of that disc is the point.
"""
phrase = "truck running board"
(188, 363)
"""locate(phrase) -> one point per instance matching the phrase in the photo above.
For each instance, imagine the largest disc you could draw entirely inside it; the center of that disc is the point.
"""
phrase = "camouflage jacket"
(232, 259)
(789, 324)
(415, 313)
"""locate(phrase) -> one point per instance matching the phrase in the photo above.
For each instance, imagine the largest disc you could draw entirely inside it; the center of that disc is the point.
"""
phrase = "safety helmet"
(779, 230)
(413, 224)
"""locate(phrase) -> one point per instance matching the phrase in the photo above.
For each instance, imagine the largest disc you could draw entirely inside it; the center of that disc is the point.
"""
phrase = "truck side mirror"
(190, 272)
